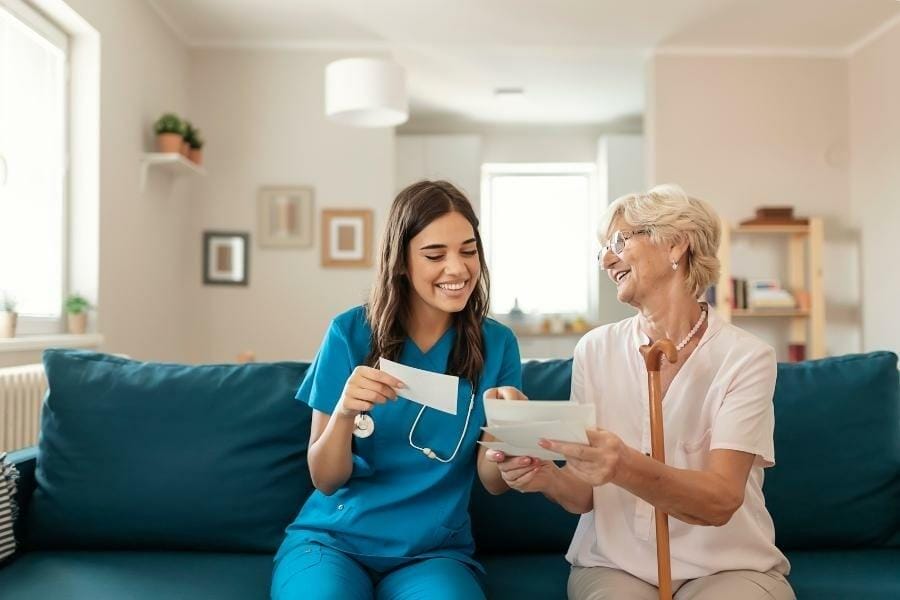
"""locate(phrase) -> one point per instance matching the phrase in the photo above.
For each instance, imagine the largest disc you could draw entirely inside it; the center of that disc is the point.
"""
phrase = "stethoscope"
(364, 426)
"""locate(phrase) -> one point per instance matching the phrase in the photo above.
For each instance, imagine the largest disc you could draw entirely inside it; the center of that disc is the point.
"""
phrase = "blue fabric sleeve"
(511, 368)
(324, 382)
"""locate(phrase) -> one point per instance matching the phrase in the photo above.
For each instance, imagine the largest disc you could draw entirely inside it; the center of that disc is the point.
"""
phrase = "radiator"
(22, 392)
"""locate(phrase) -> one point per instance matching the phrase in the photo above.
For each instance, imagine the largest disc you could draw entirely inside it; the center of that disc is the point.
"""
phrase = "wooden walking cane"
(653, 359)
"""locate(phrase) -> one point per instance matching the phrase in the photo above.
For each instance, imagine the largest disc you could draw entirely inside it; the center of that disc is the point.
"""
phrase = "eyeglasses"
(616, 244)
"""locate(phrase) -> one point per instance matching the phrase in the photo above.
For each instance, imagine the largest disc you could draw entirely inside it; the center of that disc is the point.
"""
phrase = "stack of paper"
(519, 425)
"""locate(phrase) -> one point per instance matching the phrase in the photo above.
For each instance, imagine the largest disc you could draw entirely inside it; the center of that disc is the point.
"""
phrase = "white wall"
(262, 115)
(742, 132)
(875, 183)
(143, 308)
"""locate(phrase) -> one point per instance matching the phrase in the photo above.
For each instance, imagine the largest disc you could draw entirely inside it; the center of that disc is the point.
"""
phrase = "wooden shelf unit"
(804, 262)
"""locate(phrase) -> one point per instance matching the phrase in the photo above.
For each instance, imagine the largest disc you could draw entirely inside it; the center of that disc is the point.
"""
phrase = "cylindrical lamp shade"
(366, 92)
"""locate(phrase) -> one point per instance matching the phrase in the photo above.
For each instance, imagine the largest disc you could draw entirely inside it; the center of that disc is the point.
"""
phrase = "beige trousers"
(601, 583)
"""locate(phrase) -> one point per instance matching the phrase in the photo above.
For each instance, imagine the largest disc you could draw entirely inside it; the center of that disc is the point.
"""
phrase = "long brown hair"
(388, 310)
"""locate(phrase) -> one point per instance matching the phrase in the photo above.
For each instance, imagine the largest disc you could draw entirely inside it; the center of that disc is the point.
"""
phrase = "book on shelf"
(754, 294)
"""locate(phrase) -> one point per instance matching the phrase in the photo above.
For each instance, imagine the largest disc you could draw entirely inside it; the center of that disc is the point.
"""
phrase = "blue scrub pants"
(321, 573)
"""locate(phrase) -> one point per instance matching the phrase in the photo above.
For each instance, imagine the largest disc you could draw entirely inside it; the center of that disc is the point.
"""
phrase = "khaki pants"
(601, 583)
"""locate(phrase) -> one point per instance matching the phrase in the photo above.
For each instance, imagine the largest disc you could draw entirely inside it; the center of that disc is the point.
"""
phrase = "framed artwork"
(225, 257)
(285, 217)
(347, 238)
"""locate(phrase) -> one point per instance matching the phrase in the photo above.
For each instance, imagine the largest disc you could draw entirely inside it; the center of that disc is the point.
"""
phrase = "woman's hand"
(595, 463)
(523, 473)
(365, 388)
(504, 393)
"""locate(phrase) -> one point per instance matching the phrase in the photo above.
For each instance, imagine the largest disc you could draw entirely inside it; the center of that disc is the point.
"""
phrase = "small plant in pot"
(170, 132)
(76, 311)
(195, 142)
(8, 317)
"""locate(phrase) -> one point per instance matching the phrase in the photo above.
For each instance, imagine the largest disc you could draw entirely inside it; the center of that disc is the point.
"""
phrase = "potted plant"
(76, 310)
(189, 133)
(195, 142)
(169, 133)
(8, 317)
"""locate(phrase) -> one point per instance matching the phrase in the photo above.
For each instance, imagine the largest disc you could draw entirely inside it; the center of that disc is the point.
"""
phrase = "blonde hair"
(671, 216)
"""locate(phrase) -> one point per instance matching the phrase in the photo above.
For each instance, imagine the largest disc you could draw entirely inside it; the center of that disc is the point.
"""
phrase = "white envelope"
(434, 390)
(511, 450)
(521, 411)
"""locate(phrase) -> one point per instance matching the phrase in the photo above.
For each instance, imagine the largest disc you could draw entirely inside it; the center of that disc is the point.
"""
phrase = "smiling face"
(443, 264)
(641, 270)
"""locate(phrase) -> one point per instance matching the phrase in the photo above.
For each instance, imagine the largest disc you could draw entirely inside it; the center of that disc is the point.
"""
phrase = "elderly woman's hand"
(596, 463)
(523, 473)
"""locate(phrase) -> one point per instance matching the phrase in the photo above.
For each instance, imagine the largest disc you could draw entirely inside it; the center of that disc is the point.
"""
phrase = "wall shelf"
(804, 262)
(170, 162)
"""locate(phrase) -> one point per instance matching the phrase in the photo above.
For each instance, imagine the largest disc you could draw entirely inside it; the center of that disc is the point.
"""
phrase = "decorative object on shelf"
(170, 132)
(802, 299)
(775, 215)
(767, 293)
(285, 217)
(194, 143)
(225, 257)
(796, 352)
(247, 356)
(8, 317)
(366, 92)
(347, 238)
(76, 313)
(515, 313)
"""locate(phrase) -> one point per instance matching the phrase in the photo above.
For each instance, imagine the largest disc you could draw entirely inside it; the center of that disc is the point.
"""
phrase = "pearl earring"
(674, 265)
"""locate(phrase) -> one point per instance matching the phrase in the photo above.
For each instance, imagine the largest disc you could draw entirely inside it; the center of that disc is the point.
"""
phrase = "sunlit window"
(538, 230)
(33, 107)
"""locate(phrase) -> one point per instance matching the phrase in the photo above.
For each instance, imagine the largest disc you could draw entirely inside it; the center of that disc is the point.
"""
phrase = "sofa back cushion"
(516, 522)
(836, 482)
(166, 456)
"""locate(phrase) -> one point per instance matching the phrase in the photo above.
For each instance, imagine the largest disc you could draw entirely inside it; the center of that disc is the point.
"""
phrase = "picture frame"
(347, 238)
(226, 257)
(285, 216)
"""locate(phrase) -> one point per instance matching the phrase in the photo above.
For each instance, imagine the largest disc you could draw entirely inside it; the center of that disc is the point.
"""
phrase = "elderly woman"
(660, 251)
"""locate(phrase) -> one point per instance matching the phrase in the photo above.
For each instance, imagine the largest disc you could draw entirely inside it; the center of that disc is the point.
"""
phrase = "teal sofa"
(176, 482)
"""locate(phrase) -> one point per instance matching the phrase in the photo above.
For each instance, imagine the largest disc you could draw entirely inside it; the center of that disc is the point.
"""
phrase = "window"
(538, 228)
(33, 142)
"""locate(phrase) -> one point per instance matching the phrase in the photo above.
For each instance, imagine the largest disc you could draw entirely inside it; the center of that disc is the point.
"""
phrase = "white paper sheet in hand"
(434, 390)
(527, 435)
(530, 411)
(510, 450)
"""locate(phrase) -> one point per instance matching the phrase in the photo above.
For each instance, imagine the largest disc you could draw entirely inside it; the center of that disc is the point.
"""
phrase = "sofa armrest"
(25, 461)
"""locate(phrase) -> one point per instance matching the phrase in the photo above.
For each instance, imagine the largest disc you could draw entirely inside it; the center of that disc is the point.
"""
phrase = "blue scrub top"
(398, 504)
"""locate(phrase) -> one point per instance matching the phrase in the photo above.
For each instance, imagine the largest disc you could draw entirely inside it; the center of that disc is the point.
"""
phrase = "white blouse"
(721, 398)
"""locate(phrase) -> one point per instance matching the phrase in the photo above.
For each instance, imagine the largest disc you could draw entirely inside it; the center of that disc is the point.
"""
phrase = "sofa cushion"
(547, 379)
(843, 574)
(836, 483)
(518, 576)
(163, 456)
(72, 575)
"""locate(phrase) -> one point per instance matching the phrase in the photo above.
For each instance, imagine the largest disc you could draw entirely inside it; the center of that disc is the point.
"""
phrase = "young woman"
(389, 514)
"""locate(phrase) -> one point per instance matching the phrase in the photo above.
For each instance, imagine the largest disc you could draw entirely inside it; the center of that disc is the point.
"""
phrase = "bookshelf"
(804, 268)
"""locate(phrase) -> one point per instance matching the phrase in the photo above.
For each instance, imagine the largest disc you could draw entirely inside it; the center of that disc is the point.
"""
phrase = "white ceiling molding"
(170, 22)
(872, 36)
(750, 51)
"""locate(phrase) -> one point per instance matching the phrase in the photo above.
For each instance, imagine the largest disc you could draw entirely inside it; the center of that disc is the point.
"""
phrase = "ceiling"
(579, 61)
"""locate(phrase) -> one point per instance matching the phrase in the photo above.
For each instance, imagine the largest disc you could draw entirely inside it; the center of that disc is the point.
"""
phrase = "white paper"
(529, 411)
(511, 450)
(527, 435)
(435, 390)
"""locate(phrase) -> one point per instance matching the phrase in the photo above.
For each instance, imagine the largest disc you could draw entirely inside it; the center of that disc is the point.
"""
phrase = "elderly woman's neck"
(671, 316)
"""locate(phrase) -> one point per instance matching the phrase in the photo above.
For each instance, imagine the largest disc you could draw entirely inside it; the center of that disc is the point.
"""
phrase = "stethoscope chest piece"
(363, 425)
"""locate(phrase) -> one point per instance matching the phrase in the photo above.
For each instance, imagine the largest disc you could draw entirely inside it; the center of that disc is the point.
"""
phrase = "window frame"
(491, 171)
(51, 32)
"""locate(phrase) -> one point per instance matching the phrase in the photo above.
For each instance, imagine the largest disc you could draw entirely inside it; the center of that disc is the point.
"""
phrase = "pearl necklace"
(696, 328)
